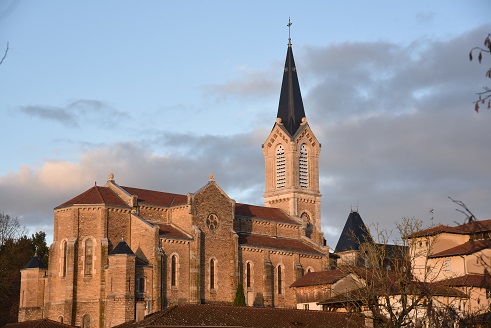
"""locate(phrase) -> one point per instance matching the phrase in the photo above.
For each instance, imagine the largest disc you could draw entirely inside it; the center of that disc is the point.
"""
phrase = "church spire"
(290, 108)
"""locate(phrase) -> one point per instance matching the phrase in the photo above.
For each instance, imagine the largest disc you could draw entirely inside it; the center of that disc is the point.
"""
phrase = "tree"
(396, 285)
(239, 296)
(5, 54)
(16, 249)
(486, 94)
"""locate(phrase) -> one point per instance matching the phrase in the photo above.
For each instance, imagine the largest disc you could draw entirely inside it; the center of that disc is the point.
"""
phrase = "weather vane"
(289, 25)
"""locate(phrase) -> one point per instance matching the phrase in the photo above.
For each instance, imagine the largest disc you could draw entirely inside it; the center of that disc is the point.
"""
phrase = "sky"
(164, 93)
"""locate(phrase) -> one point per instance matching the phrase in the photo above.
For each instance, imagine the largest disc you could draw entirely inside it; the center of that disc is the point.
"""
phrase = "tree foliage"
(483, 96)
(239, 296)
(16, 249)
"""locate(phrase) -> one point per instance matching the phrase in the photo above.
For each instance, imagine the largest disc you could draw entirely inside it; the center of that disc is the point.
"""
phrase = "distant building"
(120, 253)
(459, 257)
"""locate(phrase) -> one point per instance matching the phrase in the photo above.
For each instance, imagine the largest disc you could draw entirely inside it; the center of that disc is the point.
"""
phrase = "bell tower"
(291, 157)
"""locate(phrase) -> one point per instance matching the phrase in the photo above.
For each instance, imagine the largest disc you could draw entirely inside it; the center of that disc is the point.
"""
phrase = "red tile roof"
(95, 196)
(168, 231)
(157, 197)
(320, 278)
(207, 315)
(463, 229)
(286, 244)
(469, 280)
(466, 248)
(261, 212)
(41, 323)
(413, 288)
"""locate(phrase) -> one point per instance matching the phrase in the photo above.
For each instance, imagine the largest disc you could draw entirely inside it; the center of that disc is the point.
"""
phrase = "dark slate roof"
(290, 108)
(208, 315)
(159, 198)
(35, 263)
(354, 233)
(320, 278)
(41, 323)
(122, 248)
(95, 196)
(285, 244)
(264, 213)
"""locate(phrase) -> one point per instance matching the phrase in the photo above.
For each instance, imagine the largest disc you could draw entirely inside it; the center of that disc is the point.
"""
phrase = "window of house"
(306, 306)
(86, 321)
(89, 253)
(63, 258)
(279, 277)
(303, 167)
(140, 285)
(212, 274)
(173, 271)
(248, 275)
(280, 167)
(446, 265)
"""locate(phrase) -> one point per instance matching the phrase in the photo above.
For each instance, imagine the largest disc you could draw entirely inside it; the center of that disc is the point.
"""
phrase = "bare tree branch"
(5, 55)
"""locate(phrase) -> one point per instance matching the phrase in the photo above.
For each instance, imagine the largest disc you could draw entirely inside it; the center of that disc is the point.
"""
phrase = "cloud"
(249, 84)
(396, 123)
(77, 112)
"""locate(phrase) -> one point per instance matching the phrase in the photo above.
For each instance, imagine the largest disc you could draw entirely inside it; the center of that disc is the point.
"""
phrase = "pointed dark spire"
(290, 108)
(354, 233)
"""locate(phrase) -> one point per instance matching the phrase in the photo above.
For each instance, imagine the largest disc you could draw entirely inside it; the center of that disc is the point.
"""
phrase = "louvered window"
(280, 167)
(303, 167)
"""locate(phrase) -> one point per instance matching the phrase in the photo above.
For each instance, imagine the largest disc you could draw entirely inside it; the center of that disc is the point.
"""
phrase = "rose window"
(212, 222)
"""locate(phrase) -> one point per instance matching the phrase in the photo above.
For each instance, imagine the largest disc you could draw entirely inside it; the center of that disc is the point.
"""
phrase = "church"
(120, 252)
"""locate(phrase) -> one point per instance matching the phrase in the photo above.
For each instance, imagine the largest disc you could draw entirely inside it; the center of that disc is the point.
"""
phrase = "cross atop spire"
(289, 25)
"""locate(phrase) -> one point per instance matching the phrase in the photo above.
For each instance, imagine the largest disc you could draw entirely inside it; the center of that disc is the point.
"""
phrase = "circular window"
(212, 222)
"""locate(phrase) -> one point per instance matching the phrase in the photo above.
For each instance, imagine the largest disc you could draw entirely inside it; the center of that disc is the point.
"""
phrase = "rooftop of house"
(207, 315)
(468, 228)
(466, 248)
(279, 243)
(41, 323)
(469, 280)
(320, 278)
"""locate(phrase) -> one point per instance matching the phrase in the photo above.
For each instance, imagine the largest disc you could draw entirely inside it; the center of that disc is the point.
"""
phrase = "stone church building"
(121, 252)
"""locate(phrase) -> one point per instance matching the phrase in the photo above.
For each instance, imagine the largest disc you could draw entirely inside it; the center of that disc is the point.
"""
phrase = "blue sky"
(163, 93)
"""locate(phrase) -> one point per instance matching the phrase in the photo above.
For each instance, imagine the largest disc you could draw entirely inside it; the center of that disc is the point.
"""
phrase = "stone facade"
(120, 253)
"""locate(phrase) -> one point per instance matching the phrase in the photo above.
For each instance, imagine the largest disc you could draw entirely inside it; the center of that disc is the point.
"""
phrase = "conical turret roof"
(354, 233)
(35, 263)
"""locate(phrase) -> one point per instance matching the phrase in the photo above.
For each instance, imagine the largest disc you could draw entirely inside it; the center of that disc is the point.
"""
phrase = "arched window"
(63, 258)
(86, 321)
(89, 256)
(310, 269)
(280, 167)
(308, 224)
(213, 273)
(279, 278)
(174, 267)
(248, 275)
(303, 167)
(60, 319)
